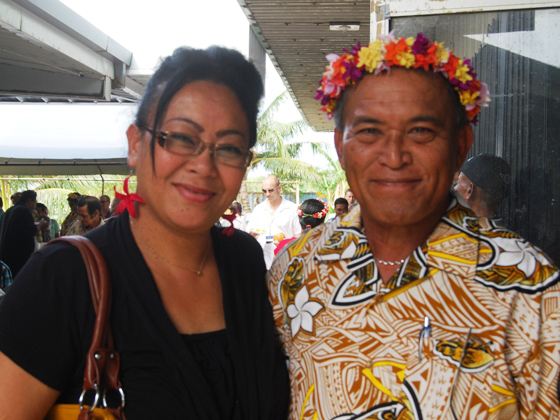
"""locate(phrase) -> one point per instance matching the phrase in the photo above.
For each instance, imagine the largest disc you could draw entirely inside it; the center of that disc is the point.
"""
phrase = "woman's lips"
(195, 194)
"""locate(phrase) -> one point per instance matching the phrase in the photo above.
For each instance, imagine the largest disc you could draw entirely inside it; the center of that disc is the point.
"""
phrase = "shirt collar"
(451, 247)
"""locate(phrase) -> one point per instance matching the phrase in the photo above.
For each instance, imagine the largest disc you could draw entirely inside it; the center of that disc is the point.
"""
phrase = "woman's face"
(190, 192)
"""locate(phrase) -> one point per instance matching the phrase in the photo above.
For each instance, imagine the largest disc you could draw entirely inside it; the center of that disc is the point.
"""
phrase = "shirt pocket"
(450, 373)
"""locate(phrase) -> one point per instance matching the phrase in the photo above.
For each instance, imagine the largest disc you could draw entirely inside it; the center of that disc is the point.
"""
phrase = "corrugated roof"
(296, 36)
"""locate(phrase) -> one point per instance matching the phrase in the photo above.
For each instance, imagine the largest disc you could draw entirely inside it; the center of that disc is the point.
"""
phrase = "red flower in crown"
(127, 200)
(230, 218)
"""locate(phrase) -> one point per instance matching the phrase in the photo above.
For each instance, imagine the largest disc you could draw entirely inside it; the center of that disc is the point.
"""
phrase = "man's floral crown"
(388, 51)
(318, 215)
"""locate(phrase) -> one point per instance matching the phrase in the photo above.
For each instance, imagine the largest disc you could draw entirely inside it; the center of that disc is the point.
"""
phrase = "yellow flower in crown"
(370, 56)
(389, 51)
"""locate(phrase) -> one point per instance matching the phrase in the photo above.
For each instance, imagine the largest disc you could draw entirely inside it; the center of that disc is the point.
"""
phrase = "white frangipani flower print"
(520, 253)
(302, 312)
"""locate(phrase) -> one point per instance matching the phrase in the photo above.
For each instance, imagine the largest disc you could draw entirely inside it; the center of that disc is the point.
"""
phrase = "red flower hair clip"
(230, 218)
(127, 200)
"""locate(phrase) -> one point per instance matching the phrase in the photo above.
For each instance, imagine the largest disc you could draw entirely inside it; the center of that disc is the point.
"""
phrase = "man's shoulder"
(510, 262)
(304, 248)
(288, 204)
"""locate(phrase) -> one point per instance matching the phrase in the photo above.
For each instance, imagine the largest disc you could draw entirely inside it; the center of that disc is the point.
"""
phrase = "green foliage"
(54, 192)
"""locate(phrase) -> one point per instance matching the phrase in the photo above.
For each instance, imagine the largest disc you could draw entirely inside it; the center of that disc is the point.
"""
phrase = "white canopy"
(64, 139)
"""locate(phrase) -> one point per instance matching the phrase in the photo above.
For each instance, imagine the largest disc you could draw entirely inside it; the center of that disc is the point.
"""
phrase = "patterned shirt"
(78, 228)
(6, 278)
(467, 328)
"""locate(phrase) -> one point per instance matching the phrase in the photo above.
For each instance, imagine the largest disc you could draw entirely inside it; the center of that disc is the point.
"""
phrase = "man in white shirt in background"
(274, 219)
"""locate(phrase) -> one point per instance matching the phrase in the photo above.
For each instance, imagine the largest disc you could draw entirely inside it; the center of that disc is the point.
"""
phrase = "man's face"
(105, 203)
(31, 204)
(399, 148)
(349, 196)
(271, 190)
(86, 219)
(340, 209)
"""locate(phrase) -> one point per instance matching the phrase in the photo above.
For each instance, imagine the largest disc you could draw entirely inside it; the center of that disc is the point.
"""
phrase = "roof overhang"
(296, 36)
(49, 51)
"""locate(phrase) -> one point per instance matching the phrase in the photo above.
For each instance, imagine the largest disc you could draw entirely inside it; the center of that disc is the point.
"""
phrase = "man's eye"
(422, 134)
(369, 134)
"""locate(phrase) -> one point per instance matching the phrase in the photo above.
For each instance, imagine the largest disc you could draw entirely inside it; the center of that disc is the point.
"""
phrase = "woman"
(190, 314)
(311, 213)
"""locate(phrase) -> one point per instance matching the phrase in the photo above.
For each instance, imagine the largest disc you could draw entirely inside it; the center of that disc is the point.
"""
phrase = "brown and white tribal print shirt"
(358, 349)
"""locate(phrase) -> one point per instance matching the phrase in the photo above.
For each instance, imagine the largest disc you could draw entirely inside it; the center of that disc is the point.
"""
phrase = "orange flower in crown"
(389, 51)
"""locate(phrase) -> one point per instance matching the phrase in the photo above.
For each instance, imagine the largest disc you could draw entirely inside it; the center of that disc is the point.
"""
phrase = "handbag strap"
(102, 360)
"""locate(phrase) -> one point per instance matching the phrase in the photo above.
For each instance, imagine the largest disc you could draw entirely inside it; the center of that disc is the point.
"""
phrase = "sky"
(151, 32)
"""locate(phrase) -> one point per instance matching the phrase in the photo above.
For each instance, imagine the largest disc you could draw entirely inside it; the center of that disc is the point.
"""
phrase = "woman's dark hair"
(215, 64)
(311, 206)
(26, 196)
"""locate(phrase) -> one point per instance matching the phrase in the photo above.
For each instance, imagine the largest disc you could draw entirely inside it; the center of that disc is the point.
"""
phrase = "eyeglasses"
(264, 190)
(185, 145)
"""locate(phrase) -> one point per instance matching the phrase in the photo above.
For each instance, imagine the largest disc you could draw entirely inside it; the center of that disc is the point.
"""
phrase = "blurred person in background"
(17, 232)
(89, 216)
(73, 215)
(484, 182)
(311, 214)
(106, 206)
(43, 214)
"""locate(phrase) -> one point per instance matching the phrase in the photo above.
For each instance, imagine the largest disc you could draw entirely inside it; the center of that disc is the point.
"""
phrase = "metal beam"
(66, 20)
(22, 81)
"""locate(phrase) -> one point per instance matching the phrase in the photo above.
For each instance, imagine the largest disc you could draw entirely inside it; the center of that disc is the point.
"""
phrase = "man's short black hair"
(341, 200)
(41, 206)
(26, 196)
(92, 204)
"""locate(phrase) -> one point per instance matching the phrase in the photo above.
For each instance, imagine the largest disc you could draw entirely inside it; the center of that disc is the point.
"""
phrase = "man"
(349, 196)
(17, 232)
(412, 307)
(340, 209)
(1, 209)
(274, 219)
(106, 206)
(484, 183)
(89, 216)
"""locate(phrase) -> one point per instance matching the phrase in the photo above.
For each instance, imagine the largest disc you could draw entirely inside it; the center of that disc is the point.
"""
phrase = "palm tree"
(275, 153)
(332, 181)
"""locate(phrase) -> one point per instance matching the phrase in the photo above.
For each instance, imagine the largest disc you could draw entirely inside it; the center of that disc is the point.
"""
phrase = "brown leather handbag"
(102, 364)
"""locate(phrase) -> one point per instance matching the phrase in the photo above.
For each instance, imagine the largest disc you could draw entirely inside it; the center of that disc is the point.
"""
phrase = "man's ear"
(465, 139)
(134, 135)
(339, 145)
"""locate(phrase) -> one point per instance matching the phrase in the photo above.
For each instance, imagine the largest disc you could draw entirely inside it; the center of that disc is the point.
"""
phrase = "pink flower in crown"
(484, 97)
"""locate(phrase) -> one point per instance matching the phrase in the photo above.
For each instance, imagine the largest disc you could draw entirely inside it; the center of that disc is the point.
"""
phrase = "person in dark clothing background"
(17, 232)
